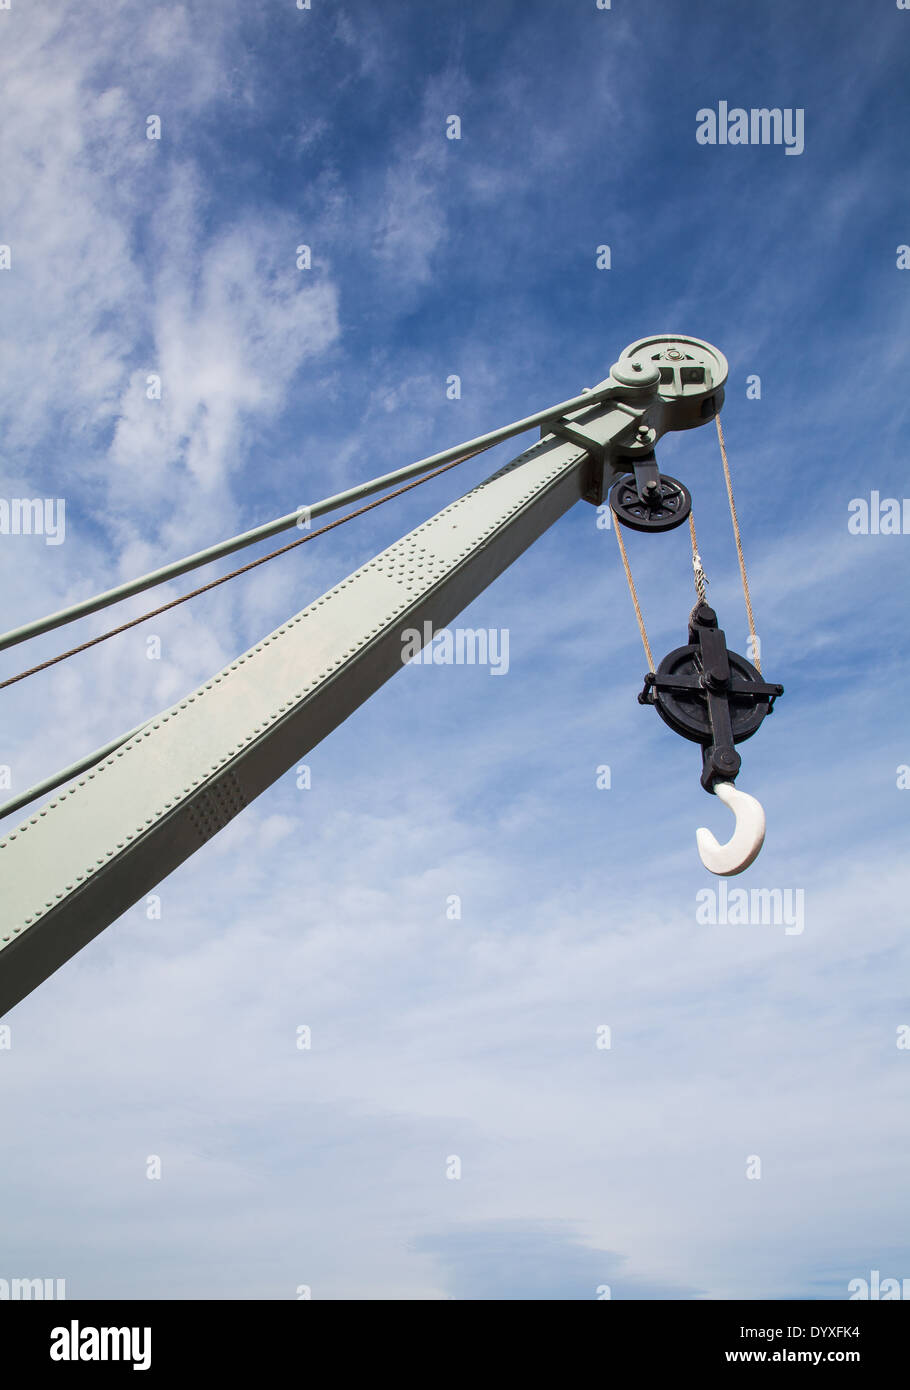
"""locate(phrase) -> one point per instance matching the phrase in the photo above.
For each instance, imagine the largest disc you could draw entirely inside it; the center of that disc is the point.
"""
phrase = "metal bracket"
(667, 382)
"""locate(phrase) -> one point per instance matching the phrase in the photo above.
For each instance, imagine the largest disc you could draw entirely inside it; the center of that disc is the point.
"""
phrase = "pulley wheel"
(667, 510)
(686, 711)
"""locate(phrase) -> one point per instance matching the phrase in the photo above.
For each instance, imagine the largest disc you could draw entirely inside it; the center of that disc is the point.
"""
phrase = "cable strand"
(253, 564)
(739, 545)
(617, 527)
(698, 569)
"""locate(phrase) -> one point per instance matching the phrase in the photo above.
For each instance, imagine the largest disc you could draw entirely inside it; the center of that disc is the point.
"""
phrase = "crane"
(144, 804)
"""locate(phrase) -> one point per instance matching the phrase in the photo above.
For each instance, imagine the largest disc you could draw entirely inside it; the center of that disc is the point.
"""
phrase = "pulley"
(715, 698)
(703, 691)
(648, 500)
(710, 695)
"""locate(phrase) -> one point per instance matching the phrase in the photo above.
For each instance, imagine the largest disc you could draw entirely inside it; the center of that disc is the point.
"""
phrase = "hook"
(747, 839)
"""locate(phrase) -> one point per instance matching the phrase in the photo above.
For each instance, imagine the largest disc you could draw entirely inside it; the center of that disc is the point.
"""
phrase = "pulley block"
(648, 500)
(710, 695)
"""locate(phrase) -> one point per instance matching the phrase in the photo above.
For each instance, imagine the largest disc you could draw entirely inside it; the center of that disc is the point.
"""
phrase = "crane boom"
(104, 842)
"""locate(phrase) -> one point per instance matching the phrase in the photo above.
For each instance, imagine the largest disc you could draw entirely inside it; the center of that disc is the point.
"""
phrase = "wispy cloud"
(432, 1035)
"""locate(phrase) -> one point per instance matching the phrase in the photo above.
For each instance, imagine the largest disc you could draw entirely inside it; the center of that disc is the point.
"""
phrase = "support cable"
(213, 584)
(739, 546)
(57, 779)
(617, 527)
(457, 453)
(698, 569)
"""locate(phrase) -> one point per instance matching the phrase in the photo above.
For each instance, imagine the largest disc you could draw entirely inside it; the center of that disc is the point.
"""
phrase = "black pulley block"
(658, 505)
(710, 695)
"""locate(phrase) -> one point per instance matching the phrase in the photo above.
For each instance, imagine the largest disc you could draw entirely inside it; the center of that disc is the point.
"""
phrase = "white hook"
(747, 839)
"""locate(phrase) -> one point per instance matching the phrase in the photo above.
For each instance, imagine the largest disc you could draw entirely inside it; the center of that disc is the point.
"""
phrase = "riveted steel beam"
(99, 846)
(104, 842)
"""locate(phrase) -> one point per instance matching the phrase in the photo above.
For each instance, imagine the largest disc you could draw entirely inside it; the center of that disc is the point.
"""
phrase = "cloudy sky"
(175, 1037)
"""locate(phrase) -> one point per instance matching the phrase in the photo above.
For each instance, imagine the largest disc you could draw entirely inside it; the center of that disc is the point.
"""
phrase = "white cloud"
(327, 907)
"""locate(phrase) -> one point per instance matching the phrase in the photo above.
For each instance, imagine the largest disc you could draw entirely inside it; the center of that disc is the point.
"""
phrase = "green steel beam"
(82, 860)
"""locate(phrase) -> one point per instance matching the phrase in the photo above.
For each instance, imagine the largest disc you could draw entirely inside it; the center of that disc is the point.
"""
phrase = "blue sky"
(176, 1037)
